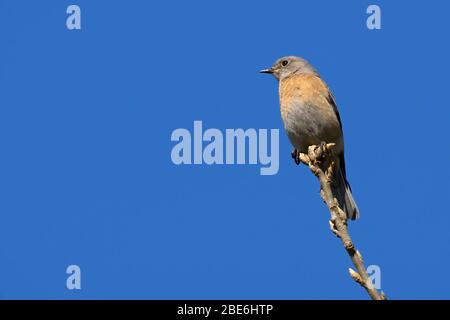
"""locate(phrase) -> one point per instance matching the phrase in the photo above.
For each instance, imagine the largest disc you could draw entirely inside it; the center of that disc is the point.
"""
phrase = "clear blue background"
(86, 176)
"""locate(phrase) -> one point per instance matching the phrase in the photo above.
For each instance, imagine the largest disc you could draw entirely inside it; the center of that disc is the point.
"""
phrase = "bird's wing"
(332, 102)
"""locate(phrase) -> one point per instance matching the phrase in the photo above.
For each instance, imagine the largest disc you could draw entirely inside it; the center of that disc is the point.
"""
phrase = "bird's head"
(288, 66)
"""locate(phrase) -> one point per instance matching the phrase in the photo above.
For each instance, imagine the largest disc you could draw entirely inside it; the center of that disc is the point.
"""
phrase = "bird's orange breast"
(308, 89)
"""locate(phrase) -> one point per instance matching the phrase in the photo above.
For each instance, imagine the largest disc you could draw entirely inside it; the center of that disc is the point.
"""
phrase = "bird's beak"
(269, 71)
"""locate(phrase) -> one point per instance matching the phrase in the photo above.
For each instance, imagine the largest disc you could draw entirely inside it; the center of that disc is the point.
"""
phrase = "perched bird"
(311, 117)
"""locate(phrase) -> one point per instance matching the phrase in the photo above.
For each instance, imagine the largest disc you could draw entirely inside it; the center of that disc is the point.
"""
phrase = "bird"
(311, 117)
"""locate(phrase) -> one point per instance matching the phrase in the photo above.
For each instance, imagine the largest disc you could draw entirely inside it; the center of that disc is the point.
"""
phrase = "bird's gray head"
(288, 66)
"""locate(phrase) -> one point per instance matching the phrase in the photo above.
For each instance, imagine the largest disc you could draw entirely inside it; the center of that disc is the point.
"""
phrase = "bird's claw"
(296, 156)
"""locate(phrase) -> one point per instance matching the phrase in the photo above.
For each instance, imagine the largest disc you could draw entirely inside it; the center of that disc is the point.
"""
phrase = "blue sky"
(86, 176)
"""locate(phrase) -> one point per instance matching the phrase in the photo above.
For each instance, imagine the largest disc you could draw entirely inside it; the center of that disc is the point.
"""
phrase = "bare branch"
(338, 220)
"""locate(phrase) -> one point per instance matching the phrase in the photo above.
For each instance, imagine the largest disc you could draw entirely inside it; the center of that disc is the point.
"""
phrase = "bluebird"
(311, 117)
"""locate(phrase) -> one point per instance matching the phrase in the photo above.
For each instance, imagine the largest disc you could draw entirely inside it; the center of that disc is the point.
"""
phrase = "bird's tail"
(343, 192)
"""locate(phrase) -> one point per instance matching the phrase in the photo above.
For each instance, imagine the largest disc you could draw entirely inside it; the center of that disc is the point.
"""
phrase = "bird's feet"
(296, 156)
(320, 151)
(324, 150)
(323, 145)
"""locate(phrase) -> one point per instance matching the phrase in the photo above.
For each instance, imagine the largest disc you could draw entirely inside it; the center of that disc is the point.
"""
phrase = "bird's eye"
(284, 63)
